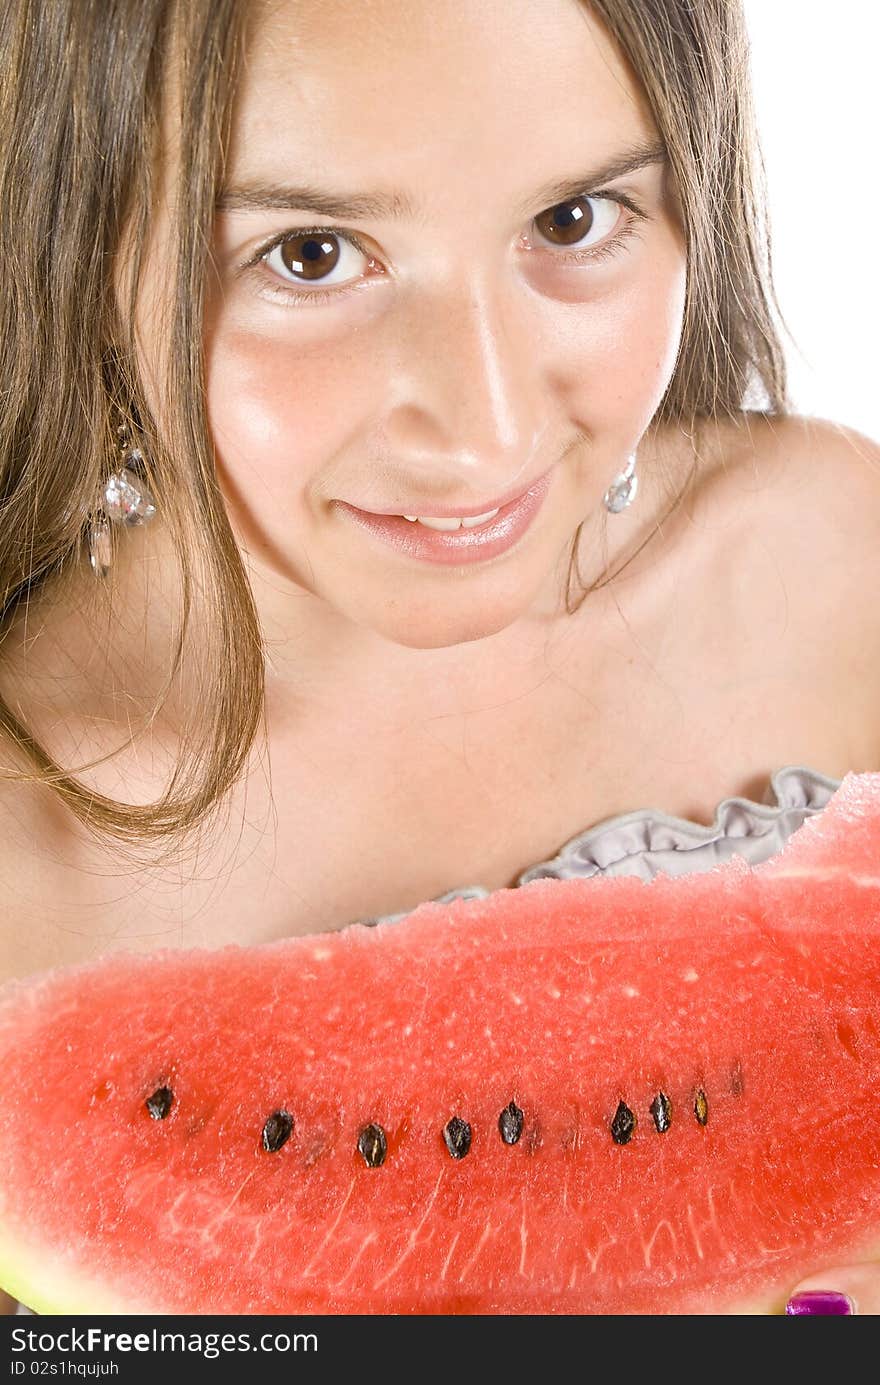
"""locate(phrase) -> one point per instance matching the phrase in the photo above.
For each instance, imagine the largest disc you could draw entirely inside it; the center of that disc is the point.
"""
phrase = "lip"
(477, 545)
(451, 511)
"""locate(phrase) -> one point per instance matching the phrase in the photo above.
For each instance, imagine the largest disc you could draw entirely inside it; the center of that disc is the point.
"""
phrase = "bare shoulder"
(809, 487)
(804, 491)
(796, 459)
(822, 460)
(816, 520)
(823, 483)
(775, 558)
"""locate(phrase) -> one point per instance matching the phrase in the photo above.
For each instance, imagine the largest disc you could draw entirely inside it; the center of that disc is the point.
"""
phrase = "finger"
(859, 1283)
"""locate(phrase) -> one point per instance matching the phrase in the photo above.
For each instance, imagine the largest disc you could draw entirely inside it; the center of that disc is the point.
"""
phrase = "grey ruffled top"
(649, 841)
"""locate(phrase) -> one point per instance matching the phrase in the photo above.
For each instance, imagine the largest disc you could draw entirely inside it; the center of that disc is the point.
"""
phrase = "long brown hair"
(80, 107)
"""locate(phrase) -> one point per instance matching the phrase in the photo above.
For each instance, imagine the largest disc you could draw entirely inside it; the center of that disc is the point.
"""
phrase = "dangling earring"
(622, 490)
(123, 498)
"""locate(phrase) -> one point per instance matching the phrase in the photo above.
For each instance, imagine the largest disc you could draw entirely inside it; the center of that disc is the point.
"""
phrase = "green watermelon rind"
(24, 1275)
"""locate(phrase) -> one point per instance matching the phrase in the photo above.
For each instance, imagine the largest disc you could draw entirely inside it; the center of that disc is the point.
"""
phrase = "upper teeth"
(452, 523)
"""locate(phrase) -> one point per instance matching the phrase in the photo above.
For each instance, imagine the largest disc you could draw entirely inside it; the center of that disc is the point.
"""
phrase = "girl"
(399, 485)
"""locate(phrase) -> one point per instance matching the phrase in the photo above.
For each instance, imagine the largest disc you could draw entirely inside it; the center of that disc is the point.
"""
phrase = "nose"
(465, 415)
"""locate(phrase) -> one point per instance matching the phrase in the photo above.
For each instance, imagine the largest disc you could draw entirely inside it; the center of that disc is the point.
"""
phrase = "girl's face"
(500, 301)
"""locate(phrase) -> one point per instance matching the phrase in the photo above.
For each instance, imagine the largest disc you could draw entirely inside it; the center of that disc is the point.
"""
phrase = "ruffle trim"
(649, 841)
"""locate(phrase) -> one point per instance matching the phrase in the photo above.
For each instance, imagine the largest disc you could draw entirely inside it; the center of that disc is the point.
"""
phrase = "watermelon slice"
(599, 1096)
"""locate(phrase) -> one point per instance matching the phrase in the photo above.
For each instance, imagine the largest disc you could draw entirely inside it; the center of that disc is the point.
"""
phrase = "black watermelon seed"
(661, 1110)
(510, 1123)
(701, 1107)
(159, 1104)
(277, 1131)
(373, 1145)
(457, 1134)
(623, 1124)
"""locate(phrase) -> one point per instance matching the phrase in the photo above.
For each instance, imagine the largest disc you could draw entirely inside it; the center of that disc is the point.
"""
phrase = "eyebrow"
(396, 206)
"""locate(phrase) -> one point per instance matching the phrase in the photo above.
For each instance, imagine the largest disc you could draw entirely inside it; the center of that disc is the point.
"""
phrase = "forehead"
(389, 92)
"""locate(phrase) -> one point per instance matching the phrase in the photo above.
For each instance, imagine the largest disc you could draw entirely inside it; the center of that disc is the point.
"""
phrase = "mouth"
(490, 536)
(469, 514)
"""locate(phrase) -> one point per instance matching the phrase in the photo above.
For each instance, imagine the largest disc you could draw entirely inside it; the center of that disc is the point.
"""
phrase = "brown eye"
(574, 221)
(310, 256)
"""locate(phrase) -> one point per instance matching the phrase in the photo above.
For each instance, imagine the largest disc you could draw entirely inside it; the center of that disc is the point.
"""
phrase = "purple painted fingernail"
(819, 1301)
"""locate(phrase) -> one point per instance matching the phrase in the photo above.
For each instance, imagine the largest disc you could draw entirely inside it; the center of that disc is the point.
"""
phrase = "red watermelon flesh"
(740, 1006)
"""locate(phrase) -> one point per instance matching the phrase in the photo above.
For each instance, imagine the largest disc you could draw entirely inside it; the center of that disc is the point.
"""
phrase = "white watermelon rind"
(67, 1290)
(57, 1288)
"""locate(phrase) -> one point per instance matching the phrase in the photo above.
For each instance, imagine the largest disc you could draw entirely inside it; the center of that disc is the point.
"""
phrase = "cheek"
(279, 415)
(633, 347)
(606, 344)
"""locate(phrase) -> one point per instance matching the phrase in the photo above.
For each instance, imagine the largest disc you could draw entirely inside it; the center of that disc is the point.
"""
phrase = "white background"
(816, 74)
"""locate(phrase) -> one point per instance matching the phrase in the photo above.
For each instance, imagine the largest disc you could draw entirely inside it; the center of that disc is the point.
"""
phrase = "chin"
(431, 629)
(461, 607)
